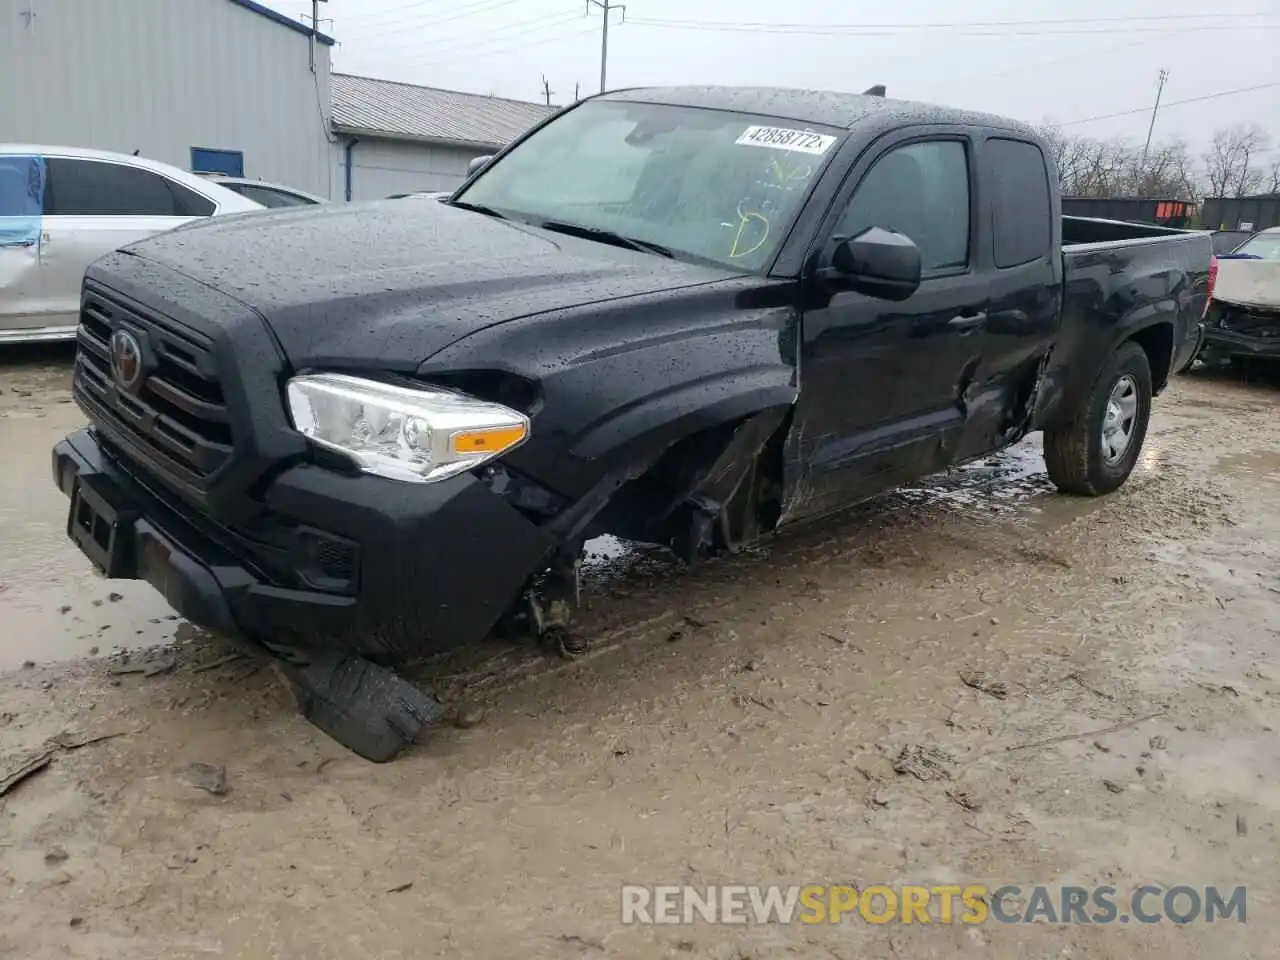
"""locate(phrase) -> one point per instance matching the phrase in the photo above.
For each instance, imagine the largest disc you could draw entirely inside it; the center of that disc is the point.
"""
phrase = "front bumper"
(1234, 330)
(1228, 343)
(438, 564)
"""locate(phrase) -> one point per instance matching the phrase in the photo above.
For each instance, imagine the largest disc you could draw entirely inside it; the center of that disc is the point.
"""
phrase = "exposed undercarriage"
(716, 492)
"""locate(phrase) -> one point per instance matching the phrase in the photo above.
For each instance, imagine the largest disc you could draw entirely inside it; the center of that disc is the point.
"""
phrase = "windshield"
(1265, 246)
(705, 184)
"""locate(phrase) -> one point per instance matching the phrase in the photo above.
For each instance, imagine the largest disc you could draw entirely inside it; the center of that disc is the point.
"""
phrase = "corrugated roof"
(405, 111)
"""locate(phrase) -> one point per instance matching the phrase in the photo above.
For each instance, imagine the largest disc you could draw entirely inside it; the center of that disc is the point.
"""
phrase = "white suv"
(63, 207)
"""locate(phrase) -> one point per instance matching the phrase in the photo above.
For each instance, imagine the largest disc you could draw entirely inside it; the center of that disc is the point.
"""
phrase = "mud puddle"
(54, 606)
(1252, 466)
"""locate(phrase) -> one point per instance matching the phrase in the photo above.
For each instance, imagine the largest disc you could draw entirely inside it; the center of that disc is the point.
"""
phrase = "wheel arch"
(685, 409)
(1156, 340)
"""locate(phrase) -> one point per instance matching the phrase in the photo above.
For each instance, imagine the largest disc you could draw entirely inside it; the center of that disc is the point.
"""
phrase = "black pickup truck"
(682, 316)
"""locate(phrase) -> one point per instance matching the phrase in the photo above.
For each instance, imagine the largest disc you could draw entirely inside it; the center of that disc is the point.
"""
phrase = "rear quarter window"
(1022, 215)
(87, 188)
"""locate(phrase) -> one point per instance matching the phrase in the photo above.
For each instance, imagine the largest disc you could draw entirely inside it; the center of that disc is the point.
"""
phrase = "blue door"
(229, 163)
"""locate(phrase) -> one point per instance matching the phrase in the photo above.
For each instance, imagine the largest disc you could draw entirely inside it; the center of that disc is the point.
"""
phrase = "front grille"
(1251, 323)
(178, 414)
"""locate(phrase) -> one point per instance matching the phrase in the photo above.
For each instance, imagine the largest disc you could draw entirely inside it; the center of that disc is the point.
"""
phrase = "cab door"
(1025, 288)
(882, 383)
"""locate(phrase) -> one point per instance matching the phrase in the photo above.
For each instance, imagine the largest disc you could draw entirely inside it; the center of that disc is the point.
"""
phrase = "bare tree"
(1273, 177)
(1168, 172)
(1089, 167)
(1232, 166)
(1085, 166)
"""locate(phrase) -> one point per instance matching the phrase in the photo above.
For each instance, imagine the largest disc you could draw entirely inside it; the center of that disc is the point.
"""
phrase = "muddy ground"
(736, 724)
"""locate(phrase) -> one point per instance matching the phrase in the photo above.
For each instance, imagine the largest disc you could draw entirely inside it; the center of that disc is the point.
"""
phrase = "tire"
(1074, 451)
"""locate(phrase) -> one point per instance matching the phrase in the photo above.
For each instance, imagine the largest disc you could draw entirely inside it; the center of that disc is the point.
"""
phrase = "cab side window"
(920, 190)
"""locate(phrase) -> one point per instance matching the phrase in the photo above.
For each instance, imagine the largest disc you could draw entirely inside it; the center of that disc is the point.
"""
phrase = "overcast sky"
(1096, 57)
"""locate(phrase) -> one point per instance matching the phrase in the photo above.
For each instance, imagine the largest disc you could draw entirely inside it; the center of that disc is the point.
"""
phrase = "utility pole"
(1164, 75)
(606, 6)
(315, 29)
(577, 87)
(546, 89)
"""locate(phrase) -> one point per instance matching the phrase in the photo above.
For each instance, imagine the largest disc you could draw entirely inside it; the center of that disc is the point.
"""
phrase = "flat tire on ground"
(1095, 451)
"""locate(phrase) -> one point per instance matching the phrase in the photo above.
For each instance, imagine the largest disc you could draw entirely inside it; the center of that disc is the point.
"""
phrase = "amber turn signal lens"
(486, 441)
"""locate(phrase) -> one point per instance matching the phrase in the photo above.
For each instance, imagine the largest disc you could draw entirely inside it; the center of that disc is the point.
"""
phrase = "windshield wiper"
(478, 208)
(606, 236)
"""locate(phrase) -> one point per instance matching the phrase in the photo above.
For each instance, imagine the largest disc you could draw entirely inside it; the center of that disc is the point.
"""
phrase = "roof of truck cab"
(825, 107)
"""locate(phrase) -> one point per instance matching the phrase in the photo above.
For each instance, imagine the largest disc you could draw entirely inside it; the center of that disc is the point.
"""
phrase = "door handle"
(967, 321)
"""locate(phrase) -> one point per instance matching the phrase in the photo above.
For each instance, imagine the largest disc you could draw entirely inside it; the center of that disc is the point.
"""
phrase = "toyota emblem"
(126, 360)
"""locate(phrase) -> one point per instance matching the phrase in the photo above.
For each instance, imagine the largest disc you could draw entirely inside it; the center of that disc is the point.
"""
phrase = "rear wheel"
(1095, 452)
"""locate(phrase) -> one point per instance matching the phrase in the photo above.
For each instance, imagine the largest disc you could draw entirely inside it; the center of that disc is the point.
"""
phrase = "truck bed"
(1078, 231)
(1117, 276)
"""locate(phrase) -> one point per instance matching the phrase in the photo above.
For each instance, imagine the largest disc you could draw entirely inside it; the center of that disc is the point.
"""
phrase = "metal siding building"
(226, 86)
(384, 168)
(165, 76)
(401, 138)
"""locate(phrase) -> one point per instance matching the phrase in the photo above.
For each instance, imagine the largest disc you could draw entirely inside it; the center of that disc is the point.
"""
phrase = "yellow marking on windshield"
(744, 219)
(799, 172)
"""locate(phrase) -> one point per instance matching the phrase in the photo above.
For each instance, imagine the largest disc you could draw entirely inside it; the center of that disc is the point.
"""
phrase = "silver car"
(267, 194)
(63, 207)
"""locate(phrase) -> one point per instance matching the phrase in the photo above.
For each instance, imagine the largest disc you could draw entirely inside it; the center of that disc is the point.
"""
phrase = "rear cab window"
(1022, 212)
(77, 187)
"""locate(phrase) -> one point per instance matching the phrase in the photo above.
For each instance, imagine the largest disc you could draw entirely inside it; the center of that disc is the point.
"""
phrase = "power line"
(418, 61)
(951, 24)
(462, 12)
(1040, 64)
(501, 35)
(519, 46)
(449, 44)
(875, 30)
(1172, 103)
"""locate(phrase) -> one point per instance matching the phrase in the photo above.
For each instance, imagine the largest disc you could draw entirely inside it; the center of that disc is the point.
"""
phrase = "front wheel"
(1095, 451)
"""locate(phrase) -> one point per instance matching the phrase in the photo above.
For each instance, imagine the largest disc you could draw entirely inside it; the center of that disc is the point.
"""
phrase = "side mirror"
(877, 262)
(478, 164)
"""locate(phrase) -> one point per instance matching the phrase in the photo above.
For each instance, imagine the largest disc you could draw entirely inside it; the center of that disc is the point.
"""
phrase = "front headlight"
(418, 434)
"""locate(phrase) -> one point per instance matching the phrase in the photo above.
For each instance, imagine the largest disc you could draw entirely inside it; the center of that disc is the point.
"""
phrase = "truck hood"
(1248, 283)
(388, 284)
